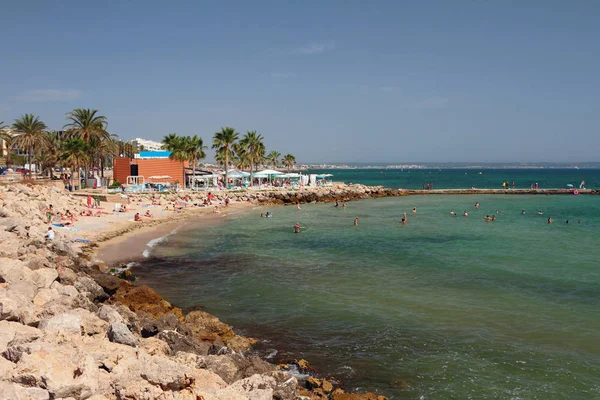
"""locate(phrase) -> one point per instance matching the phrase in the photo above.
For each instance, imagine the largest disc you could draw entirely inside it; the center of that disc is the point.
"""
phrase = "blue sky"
(328, 81)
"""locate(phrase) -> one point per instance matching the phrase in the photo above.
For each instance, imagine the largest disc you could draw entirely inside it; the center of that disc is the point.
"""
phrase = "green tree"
(47, 156)
(253, 145)
(9, 142)
(223, 142)
(31, 134)
(74, 153)
(87, 125)
(289, 161)
(107, 151)
(273, 158)
(196, 151)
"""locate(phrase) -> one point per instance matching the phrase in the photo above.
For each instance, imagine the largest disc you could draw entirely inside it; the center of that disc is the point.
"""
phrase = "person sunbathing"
(148, 214)
(137, 217)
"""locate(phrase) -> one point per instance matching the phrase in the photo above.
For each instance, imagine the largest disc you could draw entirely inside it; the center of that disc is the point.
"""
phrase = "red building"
(152, 166)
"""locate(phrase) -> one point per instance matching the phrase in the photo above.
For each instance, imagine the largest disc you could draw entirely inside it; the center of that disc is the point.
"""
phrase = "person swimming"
(549, 220)
(466, 214)
(493, 217)
(403, 218)
(269, 214)
(540, 212)
(522, 212)
(477, 205)
(297, 227)
(356, 221)
(452, 212)
(337, 203)
(487, 218)
(414, 210)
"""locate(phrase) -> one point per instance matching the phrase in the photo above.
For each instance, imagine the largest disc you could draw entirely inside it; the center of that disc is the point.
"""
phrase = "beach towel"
(79, 240)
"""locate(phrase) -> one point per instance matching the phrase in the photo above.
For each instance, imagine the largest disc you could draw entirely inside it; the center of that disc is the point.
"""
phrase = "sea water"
(442, 307)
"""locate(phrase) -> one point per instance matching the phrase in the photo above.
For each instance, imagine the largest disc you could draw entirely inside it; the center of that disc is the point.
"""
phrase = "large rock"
(92, 290)
(178, 342)
(66, 275)
(268, 386)
(233, 367)
(143, 298)
(70, 322)
(44, 277)
(119, 333)
(12, 270)
(14, 333)
(205, 326)
(65, 290)
(12, 391)
(44, 295)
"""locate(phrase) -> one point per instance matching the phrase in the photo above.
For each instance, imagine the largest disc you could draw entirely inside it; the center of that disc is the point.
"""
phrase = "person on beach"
(50, 234)
(452, 212)
(414, 210)
(227, 201)
(137, 217)
(148, 215)
(89, 201)
(403, 218)
(477, 205)
(466, 214)
(356, 221)
(297, 227)
(49, 213)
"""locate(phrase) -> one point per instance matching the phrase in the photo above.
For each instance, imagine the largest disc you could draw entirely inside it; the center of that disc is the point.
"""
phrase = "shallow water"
(442, 307)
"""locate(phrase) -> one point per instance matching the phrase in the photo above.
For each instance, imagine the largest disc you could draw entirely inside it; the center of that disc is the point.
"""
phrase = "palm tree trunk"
(251, 178)
(226, 166)
(194, 174)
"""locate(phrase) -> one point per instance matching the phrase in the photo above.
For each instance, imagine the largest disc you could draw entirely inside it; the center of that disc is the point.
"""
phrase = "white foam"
(146, 253)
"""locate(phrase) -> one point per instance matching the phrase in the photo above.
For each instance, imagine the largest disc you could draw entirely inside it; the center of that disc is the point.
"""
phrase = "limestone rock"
(65, 290)
(143, 298)
(178, 342)
(44, 277)
(233, 367)
(93, 291)
(15, 333)
(68, 322)
(66, 275)
(154, 346)
(262, 387)
(119, 333)
(11, 270)
(45, 295)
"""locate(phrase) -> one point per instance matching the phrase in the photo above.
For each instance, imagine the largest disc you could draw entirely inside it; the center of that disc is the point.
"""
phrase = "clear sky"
(327, 80)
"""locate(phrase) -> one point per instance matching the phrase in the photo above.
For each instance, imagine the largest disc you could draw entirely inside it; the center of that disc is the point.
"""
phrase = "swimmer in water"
(356, 221)
(262, 215)
(337, 203)
(452, 212)
(522, 212)
(344, 204)
(297, 227)
(487, 218)
(414, 210)
(466, 214)
(477, 205)
(578, 221)
(549, 220)
(540, 212)
(567, 221)
(403, 218)
(493, 217)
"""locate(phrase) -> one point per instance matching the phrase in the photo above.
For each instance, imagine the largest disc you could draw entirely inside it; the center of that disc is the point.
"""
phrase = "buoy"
(576, 191)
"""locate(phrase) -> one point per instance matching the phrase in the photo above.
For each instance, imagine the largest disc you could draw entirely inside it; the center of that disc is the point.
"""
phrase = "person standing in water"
(403, 218)
(477, 205)
(549, 220)
(298, 206)
(356, 221)
(344, 204)
(297, 227)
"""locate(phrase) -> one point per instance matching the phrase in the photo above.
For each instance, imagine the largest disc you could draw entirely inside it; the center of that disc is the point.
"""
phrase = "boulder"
(45, 295)
(178, 342)
(119, 333)
(260, 387)
(233, 367)
(11, 270)
(44, 277)
(22, 289)
(154, 346)
(65, 290)
(109, 314)
(91, 324)
(14, 333)
(69, 322)
(109, 283)
(143, 298)
(90, 288)
(66, 275)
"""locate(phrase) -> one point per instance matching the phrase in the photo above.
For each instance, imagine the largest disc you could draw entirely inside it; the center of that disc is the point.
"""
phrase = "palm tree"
(169, 140)
(289, 161)
(9, 142)
(242, 157)
(31, 133)
(195, 149)
(179, 147)
(48, 155)
(223, 142)
(87, 125)
(273, 158)
(252, 143)
(107, 150)
(74, 153)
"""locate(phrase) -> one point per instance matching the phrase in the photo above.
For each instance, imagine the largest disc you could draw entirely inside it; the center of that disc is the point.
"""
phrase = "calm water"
(441, 308)
(466, 178)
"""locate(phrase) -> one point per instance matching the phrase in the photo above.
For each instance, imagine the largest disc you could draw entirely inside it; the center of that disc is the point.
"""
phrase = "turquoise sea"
(444, 307)
(486, 178)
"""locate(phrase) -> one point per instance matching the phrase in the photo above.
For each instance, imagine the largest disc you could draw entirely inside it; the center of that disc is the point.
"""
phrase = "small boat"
(569, 185)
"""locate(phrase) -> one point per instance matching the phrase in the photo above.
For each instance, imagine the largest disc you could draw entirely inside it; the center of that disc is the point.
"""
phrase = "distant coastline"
(585, 165)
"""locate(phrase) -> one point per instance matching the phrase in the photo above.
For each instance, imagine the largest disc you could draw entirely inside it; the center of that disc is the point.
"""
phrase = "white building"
(149, 145)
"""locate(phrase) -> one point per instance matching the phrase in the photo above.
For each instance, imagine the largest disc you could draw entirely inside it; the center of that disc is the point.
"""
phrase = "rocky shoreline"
(68, 330)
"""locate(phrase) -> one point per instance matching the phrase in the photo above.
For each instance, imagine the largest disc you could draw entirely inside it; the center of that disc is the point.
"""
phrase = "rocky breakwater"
(325, 194)
(68, 331)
